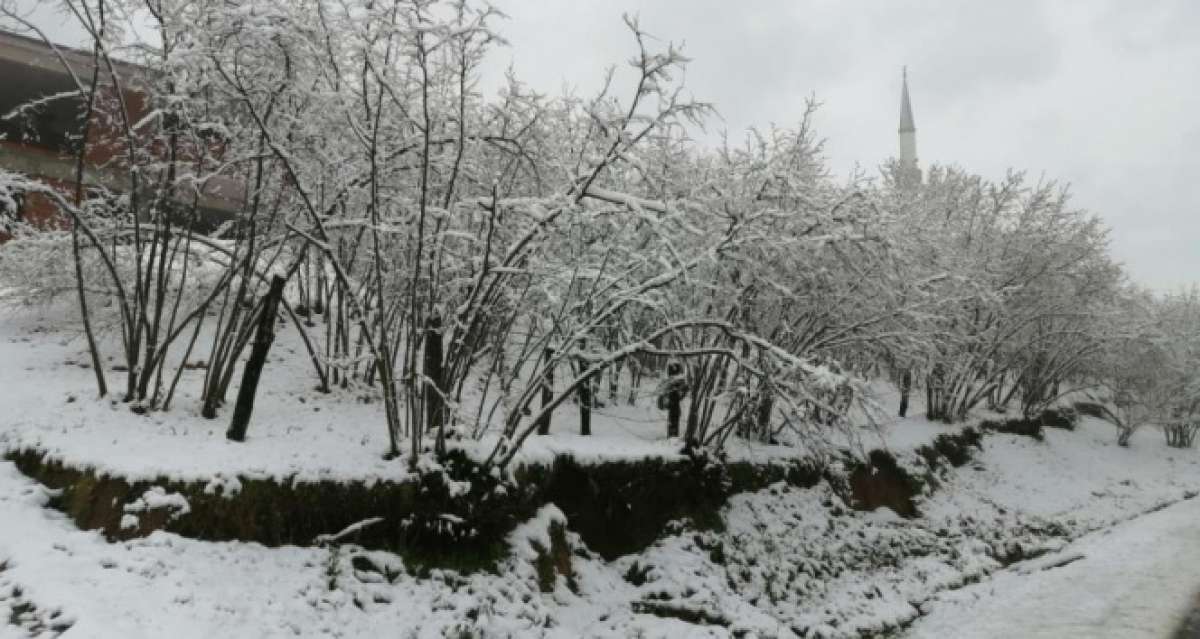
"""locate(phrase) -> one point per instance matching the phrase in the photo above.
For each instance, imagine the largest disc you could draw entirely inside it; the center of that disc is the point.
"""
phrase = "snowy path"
(1137, 579)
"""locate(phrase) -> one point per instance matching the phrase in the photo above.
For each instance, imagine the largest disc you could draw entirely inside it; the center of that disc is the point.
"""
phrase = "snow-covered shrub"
(1064, 417)
(1015, 426)
(1151, 373)
(1181, 434)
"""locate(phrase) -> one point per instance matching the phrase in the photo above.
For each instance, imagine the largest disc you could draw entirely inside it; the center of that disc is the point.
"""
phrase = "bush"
(1181, 434)
(1091, 409)
(954, 448)
(1064, 417)
(1017, 426)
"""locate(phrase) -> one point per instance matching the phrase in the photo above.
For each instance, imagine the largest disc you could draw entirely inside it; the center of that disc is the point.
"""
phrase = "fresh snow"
(1137, 579)
(297, 434)
(789, 562)
(158, 498)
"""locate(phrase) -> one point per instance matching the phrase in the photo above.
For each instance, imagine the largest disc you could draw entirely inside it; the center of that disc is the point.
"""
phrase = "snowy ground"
(789, 562)
(49, 397)
(1137, 579)
(815, 569)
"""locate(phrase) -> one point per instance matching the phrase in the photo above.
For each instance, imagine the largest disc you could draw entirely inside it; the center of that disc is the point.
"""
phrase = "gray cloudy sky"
(1102, 94)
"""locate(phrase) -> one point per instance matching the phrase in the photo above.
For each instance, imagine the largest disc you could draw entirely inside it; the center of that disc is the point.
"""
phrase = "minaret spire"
(906, 117)
(908, 132)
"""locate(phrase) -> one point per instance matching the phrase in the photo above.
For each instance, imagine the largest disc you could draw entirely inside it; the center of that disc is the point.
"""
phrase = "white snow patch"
(226, 486)
(1134, 580)
(347, 531)
(157, 498)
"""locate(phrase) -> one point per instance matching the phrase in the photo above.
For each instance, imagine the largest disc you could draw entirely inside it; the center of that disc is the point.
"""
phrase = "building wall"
(30, 70)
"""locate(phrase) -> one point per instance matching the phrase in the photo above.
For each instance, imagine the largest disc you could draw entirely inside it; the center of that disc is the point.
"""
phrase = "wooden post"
(543, 425)
(263, 336)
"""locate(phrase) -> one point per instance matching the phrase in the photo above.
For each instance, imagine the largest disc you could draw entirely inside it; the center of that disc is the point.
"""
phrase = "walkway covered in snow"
(1137, 579)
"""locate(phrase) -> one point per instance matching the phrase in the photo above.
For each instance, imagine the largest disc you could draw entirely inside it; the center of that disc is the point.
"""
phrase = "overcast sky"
(1102, 94)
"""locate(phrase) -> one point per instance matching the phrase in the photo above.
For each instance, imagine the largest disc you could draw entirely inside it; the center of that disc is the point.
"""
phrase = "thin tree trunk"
(766, 405)
(585, 404)
(543, 426)
(435, 405)
(263, 337)
(905, 390)
(179, 371)
(85, 315)
(674, 398)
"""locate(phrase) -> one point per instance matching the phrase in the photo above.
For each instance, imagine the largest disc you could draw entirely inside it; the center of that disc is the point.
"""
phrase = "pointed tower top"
(906, 117)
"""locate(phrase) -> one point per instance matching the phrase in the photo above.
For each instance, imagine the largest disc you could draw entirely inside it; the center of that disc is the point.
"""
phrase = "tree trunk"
(614, 379)
(264, 335)
(585, 404)
(762, 418)
(693, 422)
(635, 380)
(435, 404)
(93, 349)
(674, 397)
(930, 407)
(936, 406)
(905, 390)
(543, 425)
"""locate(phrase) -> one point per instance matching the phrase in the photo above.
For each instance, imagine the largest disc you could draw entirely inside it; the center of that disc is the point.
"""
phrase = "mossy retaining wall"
(616, 507)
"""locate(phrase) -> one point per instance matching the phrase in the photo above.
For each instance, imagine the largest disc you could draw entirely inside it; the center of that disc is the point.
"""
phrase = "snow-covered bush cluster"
(473, 261)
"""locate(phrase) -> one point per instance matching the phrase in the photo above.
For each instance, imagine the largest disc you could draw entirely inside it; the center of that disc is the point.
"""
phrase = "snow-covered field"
(789, 562)
(296, 432)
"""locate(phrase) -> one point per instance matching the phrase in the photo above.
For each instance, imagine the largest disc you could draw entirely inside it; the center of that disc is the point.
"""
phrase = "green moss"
(616, 507)
(289, 513)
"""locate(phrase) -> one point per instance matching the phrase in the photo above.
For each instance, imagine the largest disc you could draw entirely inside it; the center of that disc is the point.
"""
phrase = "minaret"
(908, 135)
